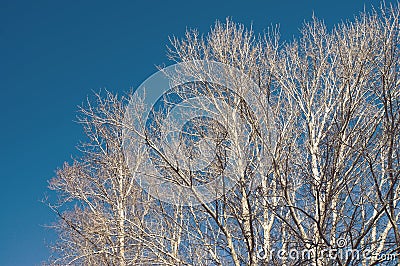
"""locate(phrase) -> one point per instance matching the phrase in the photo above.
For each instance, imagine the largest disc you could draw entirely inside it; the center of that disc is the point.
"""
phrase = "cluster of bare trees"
(328, 178)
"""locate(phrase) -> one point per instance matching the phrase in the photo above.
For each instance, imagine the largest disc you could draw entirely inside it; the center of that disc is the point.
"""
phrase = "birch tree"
(315, 151)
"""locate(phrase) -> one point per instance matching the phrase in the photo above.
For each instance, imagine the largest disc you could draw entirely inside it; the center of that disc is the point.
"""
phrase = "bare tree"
(105, 218)
(312, 148)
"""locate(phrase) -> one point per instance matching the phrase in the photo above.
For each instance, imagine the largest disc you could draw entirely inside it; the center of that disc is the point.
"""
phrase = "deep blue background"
(54, 53)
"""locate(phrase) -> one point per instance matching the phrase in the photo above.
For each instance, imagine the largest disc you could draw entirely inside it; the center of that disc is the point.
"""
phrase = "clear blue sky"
(54, 53)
